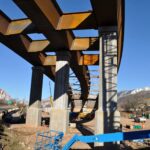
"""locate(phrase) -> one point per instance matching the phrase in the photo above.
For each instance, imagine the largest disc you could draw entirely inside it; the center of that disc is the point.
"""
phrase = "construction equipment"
(55, 141)
(50, 140)
(140, 119)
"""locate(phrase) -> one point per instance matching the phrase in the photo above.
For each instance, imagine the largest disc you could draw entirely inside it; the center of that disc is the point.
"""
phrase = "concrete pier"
(107, 117)
(59, 116)
(99, 115)
(34, 110)
(112, 121)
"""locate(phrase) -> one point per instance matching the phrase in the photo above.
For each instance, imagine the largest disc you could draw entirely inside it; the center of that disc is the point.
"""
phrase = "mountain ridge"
(133, 91)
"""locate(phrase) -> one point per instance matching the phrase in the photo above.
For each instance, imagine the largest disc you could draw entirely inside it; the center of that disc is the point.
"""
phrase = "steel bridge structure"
(62, 51)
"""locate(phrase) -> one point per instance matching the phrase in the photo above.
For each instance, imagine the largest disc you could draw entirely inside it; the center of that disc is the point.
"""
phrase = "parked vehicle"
(140, 119)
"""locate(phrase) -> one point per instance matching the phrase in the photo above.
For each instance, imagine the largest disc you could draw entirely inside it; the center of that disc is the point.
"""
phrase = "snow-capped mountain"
(140, 90)
(134, 98)
(134, 91)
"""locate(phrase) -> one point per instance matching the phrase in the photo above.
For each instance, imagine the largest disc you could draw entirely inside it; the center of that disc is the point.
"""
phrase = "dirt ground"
(26, 135)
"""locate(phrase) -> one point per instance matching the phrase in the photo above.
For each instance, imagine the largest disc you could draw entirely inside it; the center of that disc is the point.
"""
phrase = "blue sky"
(15, 72)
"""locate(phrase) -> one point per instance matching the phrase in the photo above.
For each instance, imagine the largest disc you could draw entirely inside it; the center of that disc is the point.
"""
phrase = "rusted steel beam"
(38, 45)
(60, 21)
(89, 60)
(120, 20)
(78, 44)
(81, 73)
(66, 21)
(85, 44)
(31, 46)
(19, 44)
(11, 27)
(4, 23)
(15, 27)
(47, 18)
(18, 26)
(38, 11)
(105, 12)
(83, 60)
(114, 16)
(80, 20)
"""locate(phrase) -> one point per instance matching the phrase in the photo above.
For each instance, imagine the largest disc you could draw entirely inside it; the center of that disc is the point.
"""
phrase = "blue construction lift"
(51, 140)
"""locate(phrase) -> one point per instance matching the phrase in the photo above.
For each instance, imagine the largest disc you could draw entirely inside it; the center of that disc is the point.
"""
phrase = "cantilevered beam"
(30, 46)
(9, 27)
(38, 12)
(60, 21)
(80, 20)
(66, 21)
(38, 45)
(78, 44)
(89, 60)
(84, 44)
(83, 60)
(19, 44)
(18, 26)
(45, 15)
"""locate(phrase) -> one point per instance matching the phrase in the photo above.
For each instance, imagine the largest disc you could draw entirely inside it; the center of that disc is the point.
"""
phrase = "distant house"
(4, 95)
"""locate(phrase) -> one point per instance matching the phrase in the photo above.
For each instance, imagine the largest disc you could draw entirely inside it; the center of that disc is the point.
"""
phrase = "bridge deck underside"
(47, 18)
